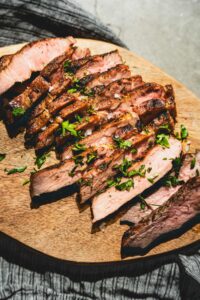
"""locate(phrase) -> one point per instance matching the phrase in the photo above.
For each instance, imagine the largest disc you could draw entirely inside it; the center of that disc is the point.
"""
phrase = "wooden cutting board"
(59, 228)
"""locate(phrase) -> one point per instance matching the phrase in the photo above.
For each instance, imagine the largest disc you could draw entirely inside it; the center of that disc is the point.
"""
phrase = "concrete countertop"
(167, 33)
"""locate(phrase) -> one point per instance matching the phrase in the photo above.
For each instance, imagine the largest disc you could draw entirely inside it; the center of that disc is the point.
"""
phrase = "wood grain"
(59, 228)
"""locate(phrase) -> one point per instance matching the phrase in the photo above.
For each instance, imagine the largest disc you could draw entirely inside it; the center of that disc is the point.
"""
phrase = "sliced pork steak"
(112, 199)
(181, 208)
(189, 169)
(31, 58)
(69, 171)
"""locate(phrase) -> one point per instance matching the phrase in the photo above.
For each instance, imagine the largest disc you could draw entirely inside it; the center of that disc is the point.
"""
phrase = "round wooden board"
(59, 228)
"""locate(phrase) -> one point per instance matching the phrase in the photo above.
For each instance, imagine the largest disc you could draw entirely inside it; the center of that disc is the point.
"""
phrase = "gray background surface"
(167, 33)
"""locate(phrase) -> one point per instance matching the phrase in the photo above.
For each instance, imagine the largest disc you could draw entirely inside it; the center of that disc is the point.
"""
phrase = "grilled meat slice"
(104, 78)
(158, 198)
(119, 87)
(102, 138)
(141, 142)
(111, 200)
(106, 168)
(35, 124)
(116, 107)
(99, 63)
(181, 208)
(52, 78)
(31, 58)
(69, 171)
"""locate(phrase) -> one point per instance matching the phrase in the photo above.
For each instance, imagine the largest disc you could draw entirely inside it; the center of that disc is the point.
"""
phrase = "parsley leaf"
(151, 179)
(15, 170)
(79, 147)
(18, 111)
(177, 163)
(78, 118)
(91, 157)
(2, 156)
(122, 144)
(124, 166)
(172, 181)
(126, 185)
(143, 203)
(26, 181)
(72, 91)
(66, 126)
(113, 182)
(91, 110)
(163, 140)
(40, 160)
(78, 160)
(68, 67)
(184, 132)
(140, 172)
(193, 163)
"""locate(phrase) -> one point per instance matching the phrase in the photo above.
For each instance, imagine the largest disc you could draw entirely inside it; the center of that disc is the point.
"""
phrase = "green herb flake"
(122, 144)
(113, 182)
(72, 91)
(140, 172)
(163, 140)
(143, 203)
(2, 156)
(18, 111)
(172, 181)
(149, 170)
(133, 150)
(103, 166)
(79, 147)
(66, 126)
(123, 168)
(91, 157)
(177, 163)
(91, 110)
(78, 160)
(78, 118)
(127, 185)
(40, 160)
(184, 132)
(193, 163)
(165, 128)
(151, 179)
(15, 170)
(26, 181)
(197, 172)
(68, 67)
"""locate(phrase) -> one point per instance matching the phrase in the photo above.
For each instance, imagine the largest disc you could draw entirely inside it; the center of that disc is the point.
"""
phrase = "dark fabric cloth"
(28, 274)
(22, 20)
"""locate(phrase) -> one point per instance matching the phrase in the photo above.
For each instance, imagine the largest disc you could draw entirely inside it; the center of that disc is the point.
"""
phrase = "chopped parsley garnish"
(177, 163)
(91, 157)
(193, 163)
(79, 147)
(103, 166)
(183, 133)
(26, 181)
(71, 128)
(40, 160)
(151, 179)
(163, 140)
(165, 128)
(2, 156)
(113, 182)
(78, 159)
(197, 172)
(78, 118)
(122, 144)
(72, 91)
(173, 181)
(133, 150)
(68, 67)
(126, 185)
(87, 92)
(15, 170)
(123, 168)
(143, 203)
(18, 111)
(91, 110)
(140, 172)
(149, 170)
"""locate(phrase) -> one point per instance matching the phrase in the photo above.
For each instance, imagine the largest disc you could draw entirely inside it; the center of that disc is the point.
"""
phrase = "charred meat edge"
(180, 209)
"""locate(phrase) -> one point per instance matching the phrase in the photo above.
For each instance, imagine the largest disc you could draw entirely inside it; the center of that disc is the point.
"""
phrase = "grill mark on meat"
(118, 87)
(178, 211)
(48, 175)
(99, 177)
(32, 57)
(111, 200)
(99, 63)
(158, 198)
(106, 76)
